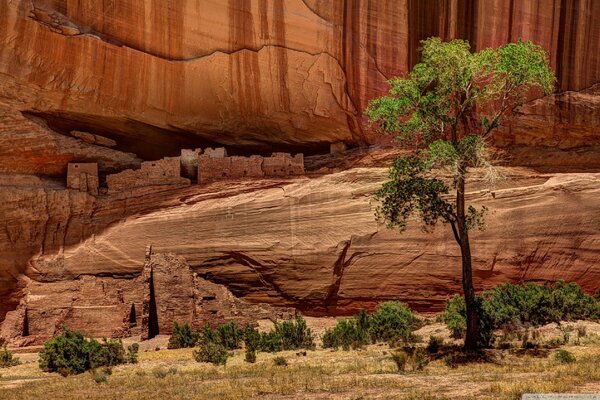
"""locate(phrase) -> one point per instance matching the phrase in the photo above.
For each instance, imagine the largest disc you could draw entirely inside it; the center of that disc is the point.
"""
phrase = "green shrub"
(392, 321)
(70, 353)
(270, 342)
(211, 352)
(537, 304)
(250, 356)
(183, 336)
(230, 335)
(280, 361)
(132, 353)
(522, 305)
(107, 353)
(251, 338)
(7, 359)
(564, 356)
(349, 333)
(295, 334)
(454, 316)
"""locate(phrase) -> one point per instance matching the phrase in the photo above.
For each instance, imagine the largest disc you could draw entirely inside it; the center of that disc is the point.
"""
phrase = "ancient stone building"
(83, 177)
(218, 152)
(160, 172)
(189, 163)
(212, 169)
(283, 164)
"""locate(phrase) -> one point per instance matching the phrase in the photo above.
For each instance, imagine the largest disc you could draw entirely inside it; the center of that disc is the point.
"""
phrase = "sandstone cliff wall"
(313, 243)
(159, 76)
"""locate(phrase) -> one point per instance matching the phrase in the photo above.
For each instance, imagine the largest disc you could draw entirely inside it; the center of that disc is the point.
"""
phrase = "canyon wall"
(117, 83)
(155, 77)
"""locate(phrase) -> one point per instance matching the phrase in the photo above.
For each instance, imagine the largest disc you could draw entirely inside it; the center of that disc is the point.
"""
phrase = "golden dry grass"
(322, 374)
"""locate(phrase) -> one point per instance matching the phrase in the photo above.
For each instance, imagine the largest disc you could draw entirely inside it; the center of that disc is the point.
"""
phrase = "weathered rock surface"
(310, 242)
(147, 305)
(155, 77)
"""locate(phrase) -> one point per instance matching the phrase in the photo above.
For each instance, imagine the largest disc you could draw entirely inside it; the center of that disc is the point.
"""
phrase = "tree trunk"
(467, 270)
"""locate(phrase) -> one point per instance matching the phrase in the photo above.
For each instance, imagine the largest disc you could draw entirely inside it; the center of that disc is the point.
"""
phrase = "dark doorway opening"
(25, 324)
(153, 315)
(132, 316)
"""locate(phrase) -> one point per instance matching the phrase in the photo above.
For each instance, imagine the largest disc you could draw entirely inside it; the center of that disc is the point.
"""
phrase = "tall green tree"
(445, 110)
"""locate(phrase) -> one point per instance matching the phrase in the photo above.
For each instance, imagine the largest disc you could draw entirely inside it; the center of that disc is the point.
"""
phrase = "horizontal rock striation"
(154, 77)
(313, 243)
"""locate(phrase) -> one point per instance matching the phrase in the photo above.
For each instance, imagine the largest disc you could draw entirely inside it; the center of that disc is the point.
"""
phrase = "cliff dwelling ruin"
(192, 166)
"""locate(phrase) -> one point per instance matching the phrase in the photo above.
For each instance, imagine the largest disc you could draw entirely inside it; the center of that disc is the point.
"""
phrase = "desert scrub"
(183, 336)
(295, 334)
(522, 305)
(132, 353)
(71, 353)
(211, 352)
(349, 333)
(280, 361)
(563, 356)
(250, 356)
(7, 359)
(391, 322)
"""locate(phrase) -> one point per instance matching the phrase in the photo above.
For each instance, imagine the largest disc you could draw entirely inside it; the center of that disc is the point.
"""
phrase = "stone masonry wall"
(189, 163)
(83, 177)
(160, 172)
(212, 169)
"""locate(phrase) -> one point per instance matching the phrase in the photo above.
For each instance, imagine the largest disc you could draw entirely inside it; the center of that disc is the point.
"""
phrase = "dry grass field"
(321, 374)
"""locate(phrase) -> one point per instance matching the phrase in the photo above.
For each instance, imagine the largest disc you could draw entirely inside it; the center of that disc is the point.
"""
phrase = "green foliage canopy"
(446, 108)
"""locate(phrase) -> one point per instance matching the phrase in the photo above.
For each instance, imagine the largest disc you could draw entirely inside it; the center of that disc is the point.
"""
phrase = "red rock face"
(156, 76)
(152, 77)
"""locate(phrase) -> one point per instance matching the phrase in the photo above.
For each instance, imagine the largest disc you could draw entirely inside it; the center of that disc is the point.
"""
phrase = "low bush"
(132, 353)
(251, 338)
(109, 352)
(522, 305)
(564, 356)
(271, 342)
(250, 356)
(211, 352)
(183, 336)
(71, 353)
(230, 335)
(348, 333)
(7, 359)
(280, 361)
(392, 322)
(295, 334)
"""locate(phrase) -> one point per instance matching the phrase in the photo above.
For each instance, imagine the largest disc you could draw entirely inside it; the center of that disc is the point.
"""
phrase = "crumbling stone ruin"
(192, 166)
(160, 172)
(189, 163)
(167, 290)
(217, 166)
(83, 177)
